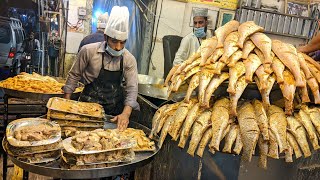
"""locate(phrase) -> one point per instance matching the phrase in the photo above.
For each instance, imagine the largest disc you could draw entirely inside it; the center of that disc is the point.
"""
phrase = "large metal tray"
(12, 126)
(54, 169)
(35, 96)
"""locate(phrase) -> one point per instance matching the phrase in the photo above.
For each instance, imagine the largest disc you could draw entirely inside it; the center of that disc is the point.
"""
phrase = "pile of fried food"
(34, 83)
(241, 54)
(75, 116)
(33, 140)
(104, 147)
(269, 128)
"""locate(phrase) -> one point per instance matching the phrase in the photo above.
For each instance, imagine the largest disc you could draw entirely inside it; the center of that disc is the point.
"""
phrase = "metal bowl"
(152, 87)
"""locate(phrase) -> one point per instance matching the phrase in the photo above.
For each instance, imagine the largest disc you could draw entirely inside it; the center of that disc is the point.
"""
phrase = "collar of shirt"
(108, 57)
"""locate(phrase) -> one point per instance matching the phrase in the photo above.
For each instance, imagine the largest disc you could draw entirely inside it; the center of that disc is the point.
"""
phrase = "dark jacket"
(92, 38)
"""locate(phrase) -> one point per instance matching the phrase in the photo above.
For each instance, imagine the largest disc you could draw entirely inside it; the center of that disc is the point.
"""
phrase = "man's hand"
(122, 121)
(67, 95)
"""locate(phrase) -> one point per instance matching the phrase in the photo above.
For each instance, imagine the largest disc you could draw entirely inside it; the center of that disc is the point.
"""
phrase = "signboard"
(226, 4)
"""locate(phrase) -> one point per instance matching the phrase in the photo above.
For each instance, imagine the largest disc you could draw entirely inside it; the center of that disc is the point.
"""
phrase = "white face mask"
(113, 52)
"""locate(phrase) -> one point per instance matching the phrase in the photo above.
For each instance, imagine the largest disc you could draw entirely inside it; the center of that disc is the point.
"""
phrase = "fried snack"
(143, 142)
(52, 114)
(36, 132)
(34, 83)
(66, 123)
(40, 157)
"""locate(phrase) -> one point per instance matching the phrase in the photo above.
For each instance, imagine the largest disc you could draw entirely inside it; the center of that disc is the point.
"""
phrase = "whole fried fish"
(207, 47)
(289, 57)
(191, 117)
(179, 117)
(213, 85)
(204, 141)
(240, 87)
(223, 31)
(193, 57)
(245, 30)
(314, 115)
(273, 147)
(194, 83)
(156, 119)
(294, 144)
(262, 118)
(230, 46)
(205, 78)
(263, 152)
(220, 121)
(249, 130)
(251, 63)
(165, 129)
(278, 125)
(230, 138)
(264, 43)
(288, 89)
(304, 66)
(168, 111)
(298, 131)
(235, 57)
(306, 122)
(191, 66)
(278, 68)
(235, 73)
(199, 128)
(247, 48)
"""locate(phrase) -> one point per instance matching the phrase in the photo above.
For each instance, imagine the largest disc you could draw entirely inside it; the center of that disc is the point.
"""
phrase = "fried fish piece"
(230, 46)
(266, 92)
(298, 131)
(249, 130)
(264, 43)
(247, 48)
(165, 129)
(245, 30)
(288, 154)
(199, 128)
(216, 55)
(230, 138)
(204, 141)
(235, 57)
(194, 83)
(314, 115)
(288, 88)
(263, 152)
(306, 122)
(168, 111)
(238, 144)
(273, 147)
(220, 120)
(223, 31)
(213, 85)
(191, 117)
(278, 125)
(251, 63)
(170, 74)
(156, 119)
(262, 118)
(235, 73)
(294, 144)
(240, 87)
(207, 47)
(278, 68)
(205, 78)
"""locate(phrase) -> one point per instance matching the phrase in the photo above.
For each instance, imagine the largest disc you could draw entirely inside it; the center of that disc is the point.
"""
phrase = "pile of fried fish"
(269, 128)
(241, 54)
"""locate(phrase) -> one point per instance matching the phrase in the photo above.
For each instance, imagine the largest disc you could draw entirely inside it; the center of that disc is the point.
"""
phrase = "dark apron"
(106, 90)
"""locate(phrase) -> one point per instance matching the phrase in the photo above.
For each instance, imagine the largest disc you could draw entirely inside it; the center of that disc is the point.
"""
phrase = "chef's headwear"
(200, 12)
(118, 23)
(102, 20)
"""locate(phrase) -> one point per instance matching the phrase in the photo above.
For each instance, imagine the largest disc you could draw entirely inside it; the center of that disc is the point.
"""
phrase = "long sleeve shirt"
(189, 44)
(88, 65)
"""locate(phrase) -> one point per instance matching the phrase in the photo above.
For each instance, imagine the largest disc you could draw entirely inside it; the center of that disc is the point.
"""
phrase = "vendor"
(103, 66)
(191, 42)
(312, 47)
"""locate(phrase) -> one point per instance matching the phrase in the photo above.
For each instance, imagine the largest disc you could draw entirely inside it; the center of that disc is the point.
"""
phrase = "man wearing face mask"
(103, 65)
(192, 41)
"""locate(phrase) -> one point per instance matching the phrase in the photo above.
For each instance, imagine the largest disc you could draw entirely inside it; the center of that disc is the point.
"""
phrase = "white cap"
(200, 12)
(118, 23)
(102, 20)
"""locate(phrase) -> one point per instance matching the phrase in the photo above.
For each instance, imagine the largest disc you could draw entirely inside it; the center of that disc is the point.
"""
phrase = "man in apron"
(102, 66)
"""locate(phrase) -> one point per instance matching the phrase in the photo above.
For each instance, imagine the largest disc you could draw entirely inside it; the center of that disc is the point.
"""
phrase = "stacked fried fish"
(269, 128)
(241, 54)
(73, 116)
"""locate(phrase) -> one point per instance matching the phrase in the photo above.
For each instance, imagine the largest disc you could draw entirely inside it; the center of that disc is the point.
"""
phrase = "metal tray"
(54, 169)
(53, 104)
(35, 96)
(12, 126)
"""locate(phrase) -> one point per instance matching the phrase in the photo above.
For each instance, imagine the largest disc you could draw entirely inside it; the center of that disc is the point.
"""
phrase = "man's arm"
(75, 73)
(312, 46)
(183, 51)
